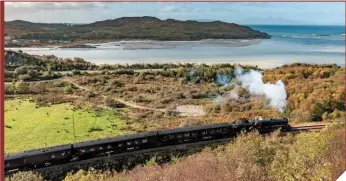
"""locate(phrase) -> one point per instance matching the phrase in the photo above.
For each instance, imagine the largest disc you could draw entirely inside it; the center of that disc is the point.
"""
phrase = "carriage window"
(136, 142)
(129, 143)
(179, 135)
(7, 164)
(82, 150)
(92, 149)
(52, 156)
(63, 154)
(186, 134)
(204, 132)
(109, 146)
(194, 134)
(120, 145)
(144, 140)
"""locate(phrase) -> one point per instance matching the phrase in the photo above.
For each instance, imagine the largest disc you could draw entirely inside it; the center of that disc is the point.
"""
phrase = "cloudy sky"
(313, 13)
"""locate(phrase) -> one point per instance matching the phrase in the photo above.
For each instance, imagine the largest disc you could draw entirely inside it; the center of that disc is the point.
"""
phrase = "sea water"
(289, 44)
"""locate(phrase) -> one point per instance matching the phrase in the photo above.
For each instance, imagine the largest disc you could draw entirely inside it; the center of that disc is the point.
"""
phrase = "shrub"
(115, 83)
(225, 108)
(21, 70)
(109, 102)
(22, 87)
(8, 89)
(39, 88)
(68, 89)
(166, 100)
(131, 88)
(25, 176)
(33, 73)
(301, 116)
(24, 77)
(76, 72)
(140, 99)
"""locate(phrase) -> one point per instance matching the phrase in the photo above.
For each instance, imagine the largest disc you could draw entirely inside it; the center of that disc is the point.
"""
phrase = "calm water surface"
(289, 44)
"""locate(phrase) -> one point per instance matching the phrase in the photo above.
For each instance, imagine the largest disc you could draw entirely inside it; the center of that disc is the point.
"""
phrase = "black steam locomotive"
(45, 157)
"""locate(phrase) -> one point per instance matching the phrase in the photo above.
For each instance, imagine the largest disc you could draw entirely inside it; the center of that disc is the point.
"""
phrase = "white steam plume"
(252, 81)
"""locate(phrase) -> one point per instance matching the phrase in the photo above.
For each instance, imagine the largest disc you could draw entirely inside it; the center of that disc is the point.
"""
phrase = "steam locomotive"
(45, 157)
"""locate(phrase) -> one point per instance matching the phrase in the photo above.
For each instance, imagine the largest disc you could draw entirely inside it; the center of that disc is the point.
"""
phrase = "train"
(62, 154)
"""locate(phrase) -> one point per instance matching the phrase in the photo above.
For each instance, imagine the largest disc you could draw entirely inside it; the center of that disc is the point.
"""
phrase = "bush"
(22, 87)
(39, 87)
(8, 89)
(25, 176)
(115, 83)
(166, 100)
(225, 108)
(68, 89)
(109, 102)
(24, 77)
(300, 116)
(140, 99)
(76, 72)
(313, 156)
(33, 73)
(131, 88)
(21, 70)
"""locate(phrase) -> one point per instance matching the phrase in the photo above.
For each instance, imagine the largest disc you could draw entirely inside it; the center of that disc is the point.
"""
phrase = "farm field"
(28, 126)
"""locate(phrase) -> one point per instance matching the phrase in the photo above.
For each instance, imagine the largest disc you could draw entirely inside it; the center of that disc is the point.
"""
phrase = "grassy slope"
(47, 126)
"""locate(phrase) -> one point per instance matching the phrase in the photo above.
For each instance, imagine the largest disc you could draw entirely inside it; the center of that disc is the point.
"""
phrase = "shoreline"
(147, 44)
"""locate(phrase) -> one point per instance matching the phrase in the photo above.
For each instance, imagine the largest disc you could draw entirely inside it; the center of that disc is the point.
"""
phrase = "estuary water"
(289, 44)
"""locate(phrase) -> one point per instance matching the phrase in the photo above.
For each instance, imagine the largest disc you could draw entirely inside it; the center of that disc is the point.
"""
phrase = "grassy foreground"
(29, 127)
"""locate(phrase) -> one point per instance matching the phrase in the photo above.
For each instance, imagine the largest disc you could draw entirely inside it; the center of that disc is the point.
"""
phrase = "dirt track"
(183, 110)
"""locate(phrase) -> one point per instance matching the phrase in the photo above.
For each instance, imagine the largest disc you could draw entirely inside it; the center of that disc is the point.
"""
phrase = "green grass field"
(28, 127)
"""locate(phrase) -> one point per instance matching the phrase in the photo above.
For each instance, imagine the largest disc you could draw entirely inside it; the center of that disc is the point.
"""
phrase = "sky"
(276, 13)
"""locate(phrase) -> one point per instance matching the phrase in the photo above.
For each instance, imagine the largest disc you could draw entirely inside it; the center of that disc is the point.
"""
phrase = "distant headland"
(19, 32)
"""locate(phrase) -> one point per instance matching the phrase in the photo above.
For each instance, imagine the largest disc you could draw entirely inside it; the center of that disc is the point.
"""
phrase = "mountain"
(126, 28)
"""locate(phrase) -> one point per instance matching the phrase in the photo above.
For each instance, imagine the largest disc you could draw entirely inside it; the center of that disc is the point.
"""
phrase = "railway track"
(67, 166)
(308, 128)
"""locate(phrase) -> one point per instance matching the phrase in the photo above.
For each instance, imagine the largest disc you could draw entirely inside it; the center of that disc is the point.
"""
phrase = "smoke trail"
(222, 79)
(252, 81)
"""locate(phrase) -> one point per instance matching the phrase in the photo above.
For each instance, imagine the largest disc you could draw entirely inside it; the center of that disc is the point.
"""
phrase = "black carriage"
(48, 156)
(115, 145)
(194, 134)
(14, 161)
(38, 158)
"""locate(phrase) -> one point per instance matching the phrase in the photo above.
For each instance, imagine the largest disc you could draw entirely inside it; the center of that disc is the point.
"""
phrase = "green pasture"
(28, 126)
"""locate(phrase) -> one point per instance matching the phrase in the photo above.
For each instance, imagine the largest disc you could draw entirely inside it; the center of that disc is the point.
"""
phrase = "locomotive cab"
(270, 125)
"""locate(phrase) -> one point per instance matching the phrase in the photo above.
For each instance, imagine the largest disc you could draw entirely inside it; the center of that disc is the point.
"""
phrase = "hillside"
(132, 28)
